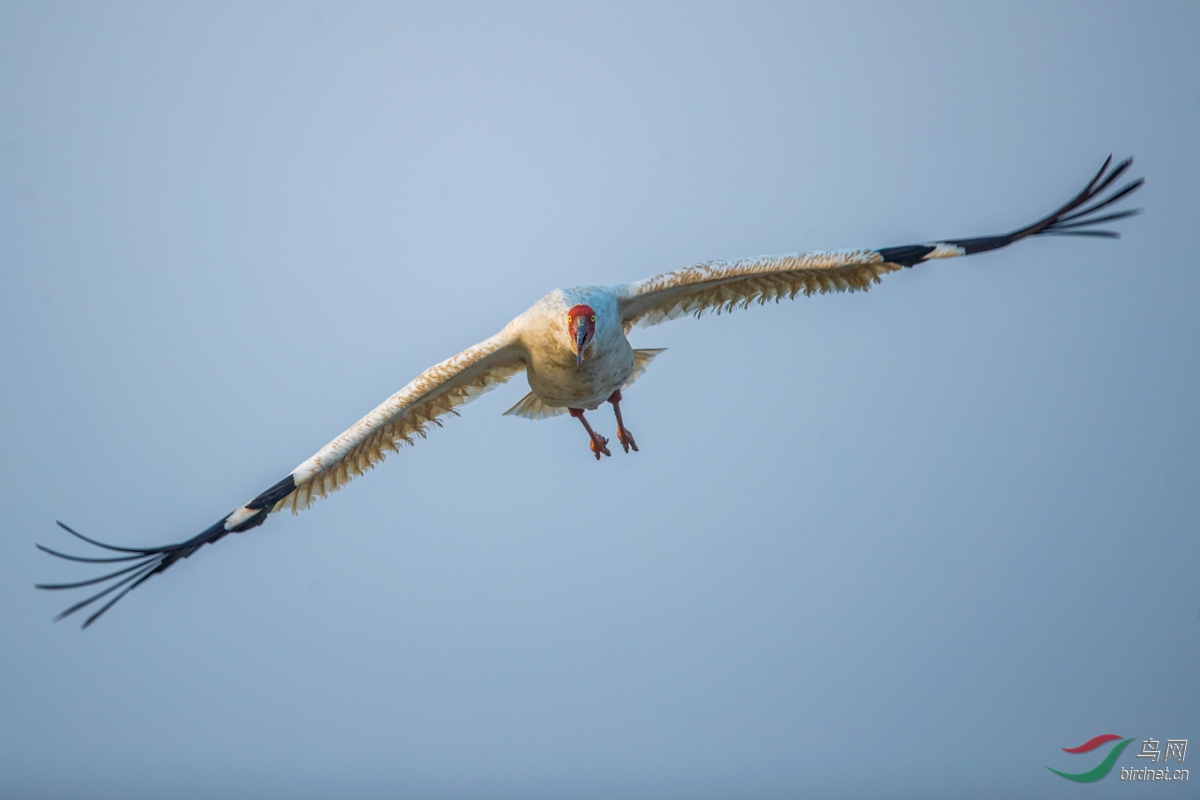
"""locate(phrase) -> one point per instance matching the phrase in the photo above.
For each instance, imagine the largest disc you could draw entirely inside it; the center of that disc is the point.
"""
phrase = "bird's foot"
(624, 435)
(599, 445)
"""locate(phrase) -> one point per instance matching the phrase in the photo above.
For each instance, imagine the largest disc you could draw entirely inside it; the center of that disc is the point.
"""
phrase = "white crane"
(573, 349)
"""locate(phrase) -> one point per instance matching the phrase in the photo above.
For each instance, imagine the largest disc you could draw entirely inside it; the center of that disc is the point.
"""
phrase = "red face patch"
(581, 314)
(581, 327)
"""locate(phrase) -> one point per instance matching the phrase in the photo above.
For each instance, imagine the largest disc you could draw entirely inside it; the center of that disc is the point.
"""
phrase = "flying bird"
(573, 349)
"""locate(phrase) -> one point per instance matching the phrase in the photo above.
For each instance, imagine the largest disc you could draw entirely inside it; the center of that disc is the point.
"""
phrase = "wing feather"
(725, 285)
(435, 393)
(721, 286)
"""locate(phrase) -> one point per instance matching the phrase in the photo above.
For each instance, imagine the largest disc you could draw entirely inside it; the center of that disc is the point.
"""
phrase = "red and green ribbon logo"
(1101, 769)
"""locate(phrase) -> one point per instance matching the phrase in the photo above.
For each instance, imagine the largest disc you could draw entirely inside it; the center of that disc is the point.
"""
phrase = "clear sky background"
(904, 544)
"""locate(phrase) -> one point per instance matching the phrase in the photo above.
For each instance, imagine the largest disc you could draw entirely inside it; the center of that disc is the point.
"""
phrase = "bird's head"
(581, 327)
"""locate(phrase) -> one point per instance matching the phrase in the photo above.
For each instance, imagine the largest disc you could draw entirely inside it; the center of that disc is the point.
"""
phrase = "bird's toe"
(599, 446)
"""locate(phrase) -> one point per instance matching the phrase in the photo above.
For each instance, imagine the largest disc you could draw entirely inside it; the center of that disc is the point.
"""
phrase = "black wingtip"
(1093, 234)
(146, 570)
(1079, 214)
(67, 557)
(99, 613)
(79, 535)
(150, 561)
(91, 581)
(1066, 225)
(1076, 217)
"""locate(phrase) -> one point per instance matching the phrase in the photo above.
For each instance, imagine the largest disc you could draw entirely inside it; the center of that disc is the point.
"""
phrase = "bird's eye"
(593, 317)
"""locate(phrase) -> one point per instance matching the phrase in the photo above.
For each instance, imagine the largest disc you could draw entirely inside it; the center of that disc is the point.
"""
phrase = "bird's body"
(555, 377)
(572, 346)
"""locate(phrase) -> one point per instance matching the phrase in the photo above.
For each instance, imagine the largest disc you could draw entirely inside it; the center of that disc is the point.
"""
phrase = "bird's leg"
(598, 444)
(624, 435)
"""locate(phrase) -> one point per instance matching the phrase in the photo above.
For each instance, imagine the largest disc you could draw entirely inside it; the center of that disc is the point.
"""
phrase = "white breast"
(551, 366)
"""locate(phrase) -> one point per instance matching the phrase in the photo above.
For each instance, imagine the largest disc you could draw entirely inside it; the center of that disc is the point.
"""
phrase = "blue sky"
(907, 543)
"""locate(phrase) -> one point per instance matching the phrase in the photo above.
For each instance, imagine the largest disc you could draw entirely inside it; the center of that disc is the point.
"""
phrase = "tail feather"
(531, 406)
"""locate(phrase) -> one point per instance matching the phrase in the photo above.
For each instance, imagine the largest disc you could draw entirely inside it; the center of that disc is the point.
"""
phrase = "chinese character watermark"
(1175, 748)
(1150, 750)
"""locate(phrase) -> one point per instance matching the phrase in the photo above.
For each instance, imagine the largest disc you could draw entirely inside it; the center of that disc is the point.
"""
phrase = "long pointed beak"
(580, 344)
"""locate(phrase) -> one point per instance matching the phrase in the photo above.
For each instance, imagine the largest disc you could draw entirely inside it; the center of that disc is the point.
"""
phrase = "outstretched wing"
(725, 285)
(436, 392)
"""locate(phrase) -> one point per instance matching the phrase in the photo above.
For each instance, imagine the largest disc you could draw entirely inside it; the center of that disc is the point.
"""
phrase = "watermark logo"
(1101, 769)
(1174, 748)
